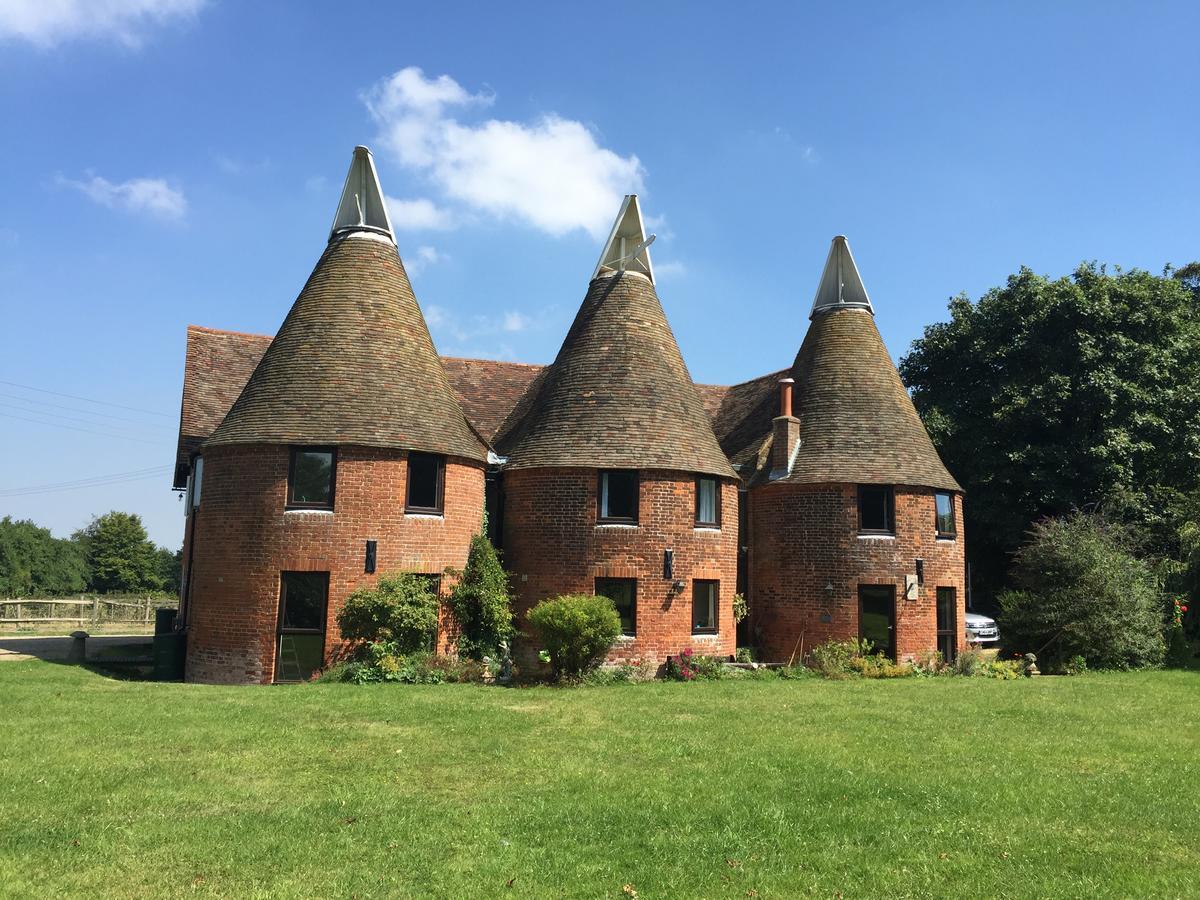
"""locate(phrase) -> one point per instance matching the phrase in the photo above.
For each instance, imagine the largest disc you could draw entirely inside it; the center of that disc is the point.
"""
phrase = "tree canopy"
(35, 563)
(1082, 392)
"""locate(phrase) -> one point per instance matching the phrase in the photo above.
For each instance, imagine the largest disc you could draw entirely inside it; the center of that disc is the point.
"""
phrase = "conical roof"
(857, 423)
(353, 362)
(618, 395)
(841, 287)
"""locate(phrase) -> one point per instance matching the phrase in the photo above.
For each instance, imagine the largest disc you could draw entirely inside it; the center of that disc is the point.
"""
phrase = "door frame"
(892, 618)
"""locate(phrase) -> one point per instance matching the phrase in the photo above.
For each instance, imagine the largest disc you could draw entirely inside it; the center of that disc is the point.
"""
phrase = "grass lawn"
(950, 787)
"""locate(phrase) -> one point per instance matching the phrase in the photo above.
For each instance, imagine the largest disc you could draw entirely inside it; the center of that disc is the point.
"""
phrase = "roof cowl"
(627, 248)
(841, 286)
(362, 209)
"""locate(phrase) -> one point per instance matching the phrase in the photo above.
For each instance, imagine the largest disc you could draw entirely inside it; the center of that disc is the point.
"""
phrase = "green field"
(947, 787)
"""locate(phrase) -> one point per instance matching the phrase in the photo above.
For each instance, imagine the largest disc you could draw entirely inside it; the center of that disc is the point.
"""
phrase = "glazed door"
(877, 617)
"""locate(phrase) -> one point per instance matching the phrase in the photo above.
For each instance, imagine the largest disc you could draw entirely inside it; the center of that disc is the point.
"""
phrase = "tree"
(168, 569)
(1047, 396)
(120, 555)
(35, 563)
(481, 602)
(1082, 592)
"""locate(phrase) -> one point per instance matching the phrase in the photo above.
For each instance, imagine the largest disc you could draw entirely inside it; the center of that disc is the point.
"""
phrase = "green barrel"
(169, 652)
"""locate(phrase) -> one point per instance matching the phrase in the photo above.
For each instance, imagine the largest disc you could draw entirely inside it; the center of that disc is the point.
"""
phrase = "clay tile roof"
(618, 394)
(218, 365)
(857, 423)
(489, 390)
(744, 419)
(353, 363)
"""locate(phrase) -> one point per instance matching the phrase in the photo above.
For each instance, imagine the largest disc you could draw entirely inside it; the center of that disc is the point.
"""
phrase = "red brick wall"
(805, 536)
(244, 538)
(553, 546)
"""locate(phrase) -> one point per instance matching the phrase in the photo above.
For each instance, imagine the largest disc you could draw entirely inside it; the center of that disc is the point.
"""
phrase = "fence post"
(96, 610)
(146, 617)
(18, 613)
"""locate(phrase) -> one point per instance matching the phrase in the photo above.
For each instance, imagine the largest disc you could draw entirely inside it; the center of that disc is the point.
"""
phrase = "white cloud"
(515, 321)
(152, 196)
(422, 258)
(551, 173)
(45, 23)
(418, 214)
(670, 269)
(453, 326)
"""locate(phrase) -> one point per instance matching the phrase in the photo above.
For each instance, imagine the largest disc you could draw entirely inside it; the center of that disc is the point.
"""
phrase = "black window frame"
(716, 523)
(602, 519)
(440, 508)
(633, 610)
(948, 634)
(889, 508)
(937, 519)
(293, 452)
(716, 605)
(281, 631)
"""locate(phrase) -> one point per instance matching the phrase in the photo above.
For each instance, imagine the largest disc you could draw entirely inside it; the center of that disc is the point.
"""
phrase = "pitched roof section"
(627, 247)
(353, 363)
(362, 207)
(618, 395)
(489, 390)
(216, 368)
(841, 287)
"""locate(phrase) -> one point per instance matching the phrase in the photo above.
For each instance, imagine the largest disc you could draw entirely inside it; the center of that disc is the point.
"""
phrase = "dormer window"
(426, 484)
(617, 500)
(708, 503)
(312, 473)
(944, 515)
(876, 509)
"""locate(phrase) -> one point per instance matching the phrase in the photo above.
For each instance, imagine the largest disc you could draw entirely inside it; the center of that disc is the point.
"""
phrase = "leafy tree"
(1082, 592)
(1048, 396)
(120, 555)
(482, 603)
(35, 563)
(401, 608)
(169, 569)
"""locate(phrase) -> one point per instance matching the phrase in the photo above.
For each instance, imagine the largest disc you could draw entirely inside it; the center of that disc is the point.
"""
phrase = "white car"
(981, 629)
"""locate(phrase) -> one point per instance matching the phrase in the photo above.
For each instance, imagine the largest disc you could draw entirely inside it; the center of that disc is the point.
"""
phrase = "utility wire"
(83, 482)
(84, 430)
(35, 401)
(28, 387)
(119, 429)
(29, 492)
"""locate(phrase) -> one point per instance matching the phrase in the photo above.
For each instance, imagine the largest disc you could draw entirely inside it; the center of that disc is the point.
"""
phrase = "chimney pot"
(785, 396)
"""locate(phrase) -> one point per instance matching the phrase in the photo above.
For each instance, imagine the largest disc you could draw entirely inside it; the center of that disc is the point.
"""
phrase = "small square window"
(705, 602)
(618, 496)
(623, 593)
(312, 474)
(426, 477)
(876, 509)
(944, 514)
(708, 503)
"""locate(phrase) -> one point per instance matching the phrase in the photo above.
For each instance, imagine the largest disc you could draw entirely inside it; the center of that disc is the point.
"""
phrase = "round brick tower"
(346, 455)
(614, 483)
(855, 524)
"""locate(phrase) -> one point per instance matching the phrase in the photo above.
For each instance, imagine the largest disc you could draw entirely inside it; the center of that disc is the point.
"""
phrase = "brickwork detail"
(804, 537)
(553, 546)
(244, 539)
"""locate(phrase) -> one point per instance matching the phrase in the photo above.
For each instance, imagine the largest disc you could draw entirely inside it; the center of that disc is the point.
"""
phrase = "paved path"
(54, 649)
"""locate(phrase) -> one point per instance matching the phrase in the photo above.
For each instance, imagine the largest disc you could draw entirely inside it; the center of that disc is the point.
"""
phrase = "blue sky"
(174, 161)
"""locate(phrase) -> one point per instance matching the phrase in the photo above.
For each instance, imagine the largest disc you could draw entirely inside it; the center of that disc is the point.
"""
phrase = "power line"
(57, 415)
(84, 430)
(84, 482)
(29, 492)
(34, 401)
(28, 387)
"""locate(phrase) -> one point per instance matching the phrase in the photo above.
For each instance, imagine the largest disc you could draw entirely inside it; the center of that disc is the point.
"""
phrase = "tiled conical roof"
(618, 395)
(857, 423)
(353, 362)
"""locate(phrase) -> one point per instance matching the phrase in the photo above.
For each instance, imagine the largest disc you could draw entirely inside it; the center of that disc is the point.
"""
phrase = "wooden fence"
(87, 610)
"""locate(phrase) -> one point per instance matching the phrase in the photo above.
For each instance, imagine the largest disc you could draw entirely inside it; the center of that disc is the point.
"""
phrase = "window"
(705, 596)
(195, 484)
(426, 477)
(947, 615)
(618, 496)
(877, 617)
(944, 514)
(708, 503)
(623, 593)
(876, 509)
(311, 476)
(300, 645)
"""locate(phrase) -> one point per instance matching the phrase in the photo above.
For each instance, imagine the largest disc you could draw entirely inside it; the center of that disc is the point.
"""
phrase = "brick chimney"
(785, 432)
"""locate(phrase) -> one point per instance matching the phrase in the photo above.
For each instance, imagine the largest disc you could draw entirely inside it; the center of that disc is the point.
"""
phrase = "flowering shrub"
(688, 666)
(1179, 650)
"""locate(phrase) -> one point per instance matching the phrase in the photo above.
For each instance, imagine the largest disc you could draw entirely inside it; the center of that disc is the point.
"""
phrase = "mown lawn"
(950, 787)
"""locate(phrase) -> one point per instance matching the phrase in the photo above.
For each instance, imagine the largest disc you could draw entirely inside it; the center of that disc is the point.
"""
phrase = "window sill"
(712, 529)
(304, 511)
(873, 536)
(630, 525)
(705, 635)
(418, 514)
(626, 638)
(947, 538)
